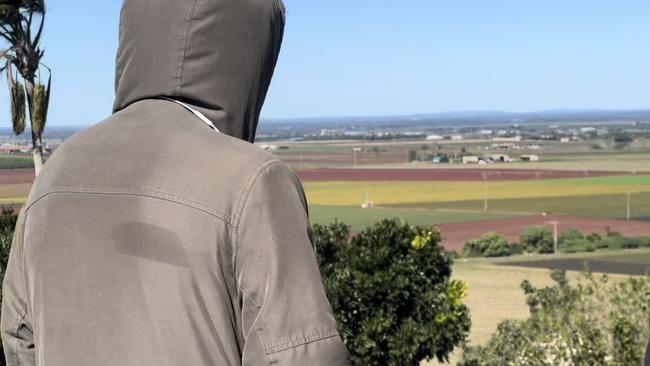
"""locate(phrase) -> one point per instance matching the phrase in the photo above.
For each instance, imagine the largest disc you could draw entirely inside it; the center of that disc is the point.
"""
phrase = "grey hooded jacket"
(151, 239)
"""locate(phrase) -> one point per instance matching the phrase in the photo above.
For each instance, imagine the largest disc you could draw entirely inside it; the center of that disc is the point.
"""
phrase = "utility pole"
(629, 211)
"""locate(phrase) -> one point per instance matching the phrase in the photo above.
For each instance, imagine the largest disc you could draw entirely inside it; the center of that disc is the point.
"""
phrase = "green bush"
(597, 241)
(576, 246)
(489, 245)
(593, 237)
(596, 322)
(506, 347)
(622, 242)
(391, 292)
(537, 239)
(644, 241)
(573, 241)
(569, 235)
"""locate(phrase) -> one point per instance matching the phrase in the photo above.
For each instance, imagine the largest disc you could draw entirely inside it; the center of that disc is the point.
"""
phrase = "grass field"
(386, 193)
(15, 162)
(359, 218)
(611, 206)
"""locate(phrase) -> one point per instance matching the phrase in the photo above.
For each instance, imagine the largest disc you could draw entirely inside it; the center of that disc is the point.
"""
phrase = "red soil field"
(455, 235)
(364, 175)
(15, 176)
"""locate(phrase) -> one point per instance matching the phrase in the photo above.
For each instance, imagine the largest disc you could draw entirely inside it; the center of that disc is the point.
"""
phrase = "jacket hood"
(218, 56)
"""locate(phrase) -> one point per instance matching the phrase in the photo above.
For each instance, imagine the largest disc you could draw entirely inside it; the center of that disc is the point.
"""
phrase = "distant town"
(505, 137)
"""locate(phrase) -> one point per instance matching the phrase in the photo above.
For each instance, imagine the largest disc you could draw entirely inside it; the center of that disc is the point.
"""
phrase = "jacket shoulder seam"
(248, 187)
(144, 192)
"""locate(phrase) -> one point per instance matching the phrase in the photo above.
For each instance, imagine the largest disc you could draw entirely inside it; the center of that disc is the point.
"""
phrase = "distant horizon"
(358, 59)
(469, 111)
(435, 116)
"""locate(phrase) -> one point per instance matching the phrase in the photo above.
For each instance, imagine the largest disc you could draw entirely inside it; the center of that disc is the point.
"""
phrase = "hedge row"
(539, 239)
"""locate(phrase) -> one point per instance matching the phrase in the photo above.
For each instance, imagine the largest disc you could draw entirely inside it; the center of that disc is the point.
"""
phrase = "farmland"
(572, 186)
(392, 193)
(577, 156)
(586, 189)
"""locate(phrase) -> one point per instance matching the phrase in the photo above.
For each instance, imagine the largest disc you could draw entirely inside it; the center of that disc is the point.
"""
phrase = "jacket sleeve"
(15, 322)
(286, 317)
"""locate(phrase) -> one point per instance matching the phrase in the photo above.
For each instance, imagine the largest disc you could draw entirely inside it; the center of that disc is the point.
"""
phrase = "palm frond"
(18, 110)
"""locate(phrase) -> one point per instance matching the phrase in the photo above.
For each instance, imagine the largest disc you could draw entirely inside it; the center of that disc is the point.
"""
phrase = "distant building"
(471, 159)
(501, 158)
(503, 145)
(565, 139)
(529, 157)
(330, 132)
(456, 137)
(413, 133)
(504, 139)
(355, 133)
(434, 137)
(11, 149)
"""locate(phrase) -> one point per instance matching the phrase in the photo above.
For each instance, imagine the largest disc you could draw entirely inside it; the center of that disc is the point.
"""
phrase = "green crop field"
(15, 162)
(610, 206)
(359, 218)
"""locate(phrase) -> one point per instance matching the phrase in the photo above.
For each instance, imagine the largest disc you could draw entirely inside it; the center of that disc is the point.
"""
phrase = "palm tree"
(21, 25)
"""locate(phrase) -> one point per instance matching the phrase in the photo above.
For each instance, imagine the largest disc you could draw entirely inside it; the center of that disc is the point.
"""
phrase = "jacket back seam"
(150, 193)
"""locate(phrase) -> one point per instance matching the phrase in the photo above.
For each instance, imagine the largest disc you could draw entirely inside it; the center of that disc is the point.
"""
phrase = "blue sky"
(363, 57)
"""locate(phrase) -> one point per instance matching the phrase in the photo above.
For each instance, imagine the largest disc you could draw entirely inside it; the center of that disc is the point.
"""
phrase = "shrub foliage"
(489, 245)
(537, 239)
(391, 292)
(596, 322)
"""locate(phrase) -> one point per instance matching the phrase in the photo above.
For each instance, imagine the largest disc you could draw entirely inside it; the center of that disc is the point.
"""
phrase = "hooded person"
(162, 236)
